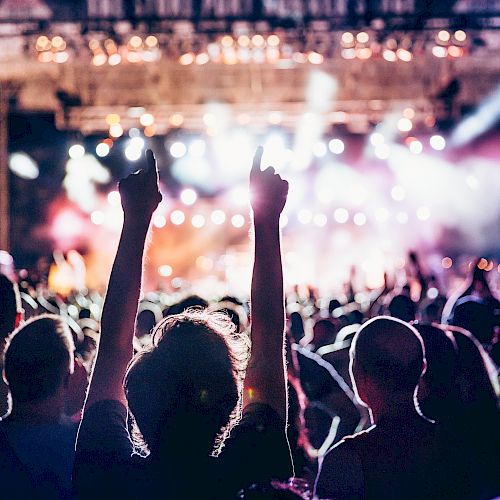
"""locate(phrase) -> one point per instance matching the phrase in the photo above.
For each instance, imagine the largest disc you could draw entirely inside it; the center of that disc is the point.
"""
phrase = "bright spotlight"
(197, 148)
(198, 221)
(114, 198)
(188, 196)
(437, 142)
(238, 220)
(320, 220)
(398, 193)
(102, 150)
(165, 270)
(341, 215)
(147, 119)
(405, 124)
(304, 216)
(76, 151)
(115, 130)
(178, 149)
(416, 147)
(97, 217)
(218, 217)
(359, 219)
(336, 146)
(23, 166)
(177, 217)
(423, 213)
(132, 154)
(376, 139)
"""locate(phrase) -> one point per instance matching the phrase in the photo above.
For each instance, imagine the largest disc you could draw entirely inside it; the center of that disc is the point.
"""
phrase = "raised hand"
(268, 190)
(140, 195)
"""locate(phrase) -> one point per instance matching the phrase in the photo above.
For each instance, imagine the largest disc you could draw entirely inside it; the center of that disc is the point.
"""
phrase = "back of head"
(10, 305)
(389, 352)
(437, 393)
(402, 307)
(476, 316)
(39, 358)
(188, 383)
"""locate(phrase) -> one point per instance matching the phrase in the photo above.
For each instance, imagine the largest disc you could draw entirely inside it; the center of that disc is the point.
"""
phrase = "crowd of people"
(294, 396)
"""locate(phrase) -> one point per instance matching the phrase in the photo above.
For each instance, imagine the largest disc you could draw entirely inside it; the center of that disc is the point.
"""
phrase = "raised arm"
(140, 197)
(266, 374)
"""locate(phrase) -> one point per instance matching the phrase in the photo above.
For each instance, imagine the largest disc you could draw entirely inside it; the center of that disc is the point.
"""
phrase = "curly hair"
(191, 378)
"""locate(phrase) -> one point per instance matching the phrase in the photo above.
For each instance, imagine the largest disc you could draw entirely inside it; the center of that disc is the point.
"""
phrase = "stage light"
(438, 51)
(402, 217)
(341, 215)
(165, 270)
(319, 149)
(409, 113)
(227, 41)
(455, 51)
(347, 38)
(97, 217)
(382, 214)
(336, 146)
(320, 220)
(134, 57)
(423, 213)
(446, 263)
(58, 43)
(404, 55)
(389, 55)
(238, 220)
(135, 42)
(398, 193)
(416, 147)
(258, 41)
(404, 125)
(116, 130)
(112, 118)
(348, 53)
(76, 151)
(151, 41)
(443, 36)
(437, 142)
(376, 139)
(176, 120)
(243, 40)
(382, 151)
(114, 198)
(209, 119)
(132, 153)
(304, 216)
(177, 217)
(362, 37)
(43, 43)
(272, 40)
(202, 58)
(146, 119)
(364, 53)
(102, 149)
(186, 59)
(159, 221)
(198, 221)
(61, 57)
(114, 59)
(188, 196)
(460, 36)
(150, 130)
(315, 58)
(218, 217)
(23, 166)
(359, 219)
(178, 149)
(99, 59)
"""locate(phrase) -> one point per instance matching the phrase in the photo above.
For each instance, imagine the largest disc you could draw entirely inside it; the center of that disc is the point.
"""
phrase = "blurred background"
(383, 116)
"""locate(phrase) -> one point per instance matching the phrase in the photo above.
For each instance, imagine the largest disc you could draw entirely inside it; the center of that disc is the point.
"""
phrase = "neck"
(394, 406)
(47, 411)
